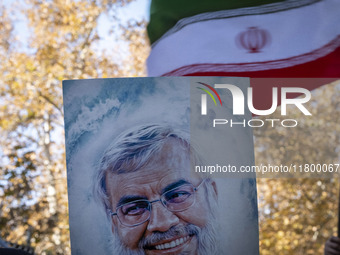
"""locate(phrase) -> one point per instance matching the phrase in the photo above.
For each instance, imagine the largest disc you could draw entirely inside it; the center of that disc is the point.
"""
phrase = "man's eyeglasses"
(139, 211)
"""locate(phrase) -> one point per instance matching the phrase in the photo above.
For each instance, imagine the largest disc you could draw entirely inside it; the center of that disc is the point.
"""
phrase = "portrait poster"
(150, 167)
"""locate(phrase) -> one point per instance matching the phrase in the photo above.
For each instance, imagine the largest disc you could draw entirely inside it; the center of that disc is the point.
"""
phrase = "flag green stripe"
(164, 14)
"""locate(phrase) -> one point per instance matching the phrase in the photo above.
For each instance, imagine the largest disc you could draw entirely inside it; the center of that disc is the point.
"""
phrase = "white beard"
(117, 247)
(206, 239)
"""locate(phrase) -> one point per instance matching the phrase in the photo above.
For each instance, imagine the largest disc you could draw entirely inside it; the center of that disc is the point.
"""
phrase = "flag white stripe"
(294, 33)
(260, 66)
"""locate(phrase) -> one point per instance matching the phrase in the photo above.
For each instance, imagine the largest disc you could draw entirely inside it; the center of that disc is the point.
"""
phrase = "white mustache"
(173, 232)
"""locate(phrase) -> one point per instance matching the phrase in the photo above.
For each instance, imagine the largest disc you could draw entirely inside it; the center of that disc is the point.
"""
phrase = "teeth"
(172, 244)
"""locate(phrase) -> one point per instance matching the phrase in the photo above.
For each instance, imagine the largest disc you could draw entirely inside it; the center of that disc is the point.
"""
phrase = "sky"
(137, 10)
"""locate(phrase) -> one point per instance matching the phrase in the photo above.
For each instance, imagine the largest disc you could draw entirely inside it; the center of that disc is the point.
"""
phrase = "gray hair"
(133, 149)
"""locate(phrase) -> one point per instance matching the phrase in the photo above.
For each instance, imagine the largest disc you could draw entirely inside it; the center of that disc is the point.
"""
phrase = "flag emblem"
(253, 39)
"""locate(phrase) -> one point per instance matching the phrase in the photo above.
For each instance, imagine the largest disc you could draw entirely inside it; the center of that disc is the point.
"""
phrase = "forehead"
(169, 165)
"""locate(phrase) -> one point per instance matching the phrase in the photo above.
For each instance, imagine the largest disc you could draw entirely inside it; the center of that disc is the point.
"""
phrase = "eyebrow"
(174, 185)
(127, 199)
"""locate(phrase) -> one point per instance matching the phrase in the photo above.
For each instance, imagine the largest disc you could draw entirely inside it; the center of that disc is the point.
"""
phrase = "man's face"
(165, 232)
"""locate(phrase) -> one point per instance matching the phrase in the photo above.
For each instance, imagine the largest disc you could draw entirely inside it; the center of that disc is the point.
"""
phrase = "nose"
(161, 219)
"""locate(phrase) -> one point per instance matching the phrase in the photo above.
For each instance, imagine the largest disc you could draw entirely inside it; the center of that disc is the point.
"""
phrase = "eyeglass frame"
(157, 200)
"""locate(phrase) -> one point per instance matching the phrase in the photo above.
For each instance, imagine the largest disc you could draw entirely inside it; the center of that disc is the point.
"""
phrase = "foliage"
(298, 215)
(63, 36)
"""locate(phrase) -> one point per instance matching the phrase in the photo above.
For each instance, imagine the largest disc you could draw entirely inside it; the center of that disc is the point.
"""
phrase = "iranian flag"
(292, 38)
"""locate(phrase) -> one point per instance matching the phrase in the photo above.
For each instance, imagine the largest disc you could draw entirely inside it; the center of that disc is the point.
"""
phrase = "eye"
(135, 208)
(177, 196)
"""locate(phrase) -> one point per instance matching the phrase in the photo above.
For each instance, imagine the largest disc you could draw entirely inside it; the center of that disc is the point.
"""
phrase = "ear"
(213, 184)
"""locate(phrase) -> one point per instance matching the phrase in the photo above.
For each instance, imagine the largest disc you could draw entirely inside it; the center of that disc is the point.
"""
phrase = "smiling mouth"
(171, 244)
